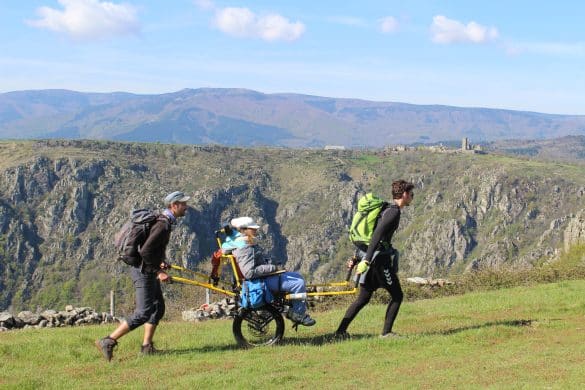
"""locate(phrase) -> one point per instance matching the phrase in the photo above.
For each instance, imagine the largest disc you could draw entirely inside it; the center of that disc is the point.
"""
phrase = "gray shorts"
(150, 303)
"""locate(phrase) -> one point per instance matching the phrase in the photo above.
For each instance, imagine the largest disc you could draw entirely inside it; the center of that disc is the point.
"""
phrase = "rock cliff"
(62, 201)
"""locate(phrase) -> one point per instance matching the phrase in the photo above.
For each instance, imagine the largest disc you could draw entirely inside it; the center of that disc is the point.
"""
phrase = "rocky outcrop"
(60, 208)
(491, 222)
(575, 231)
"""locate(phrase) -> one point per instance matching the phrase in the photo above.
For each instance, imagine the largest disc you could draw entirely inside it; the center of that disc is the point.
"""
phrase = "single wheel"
(255, 327)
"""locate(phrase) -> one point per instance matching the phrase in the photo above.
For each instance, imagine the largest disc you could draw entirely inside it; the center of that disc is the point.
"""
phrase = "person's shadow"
(320, 340)
(447, 332)
(330, 338)
(203, 349)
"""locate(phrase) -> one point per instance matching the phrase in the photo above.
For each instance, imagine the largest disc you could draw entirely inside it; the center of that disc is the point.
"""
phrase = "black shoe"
(149, 349)
(106, 347)
(341, 336)
(301, 319)
(308, 321)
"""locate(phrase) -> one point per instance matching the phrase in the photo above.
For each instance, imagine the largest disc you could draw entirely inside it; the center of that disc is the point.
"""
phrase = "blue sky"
(520, 55)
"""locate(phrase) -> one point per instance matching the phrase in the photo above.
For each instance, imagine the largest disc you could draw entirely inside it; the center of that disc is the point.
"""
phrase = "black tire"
(257, 327)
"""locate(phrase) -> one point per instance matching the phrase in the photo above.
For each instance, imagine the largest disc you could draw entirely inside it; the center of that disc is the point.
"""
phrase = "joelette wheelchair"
(263, 325)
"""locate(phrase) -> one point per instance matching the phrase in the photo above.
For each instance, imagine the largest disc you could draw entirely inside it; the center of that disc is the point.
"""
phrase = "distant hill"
(248, 118)
(569, 148)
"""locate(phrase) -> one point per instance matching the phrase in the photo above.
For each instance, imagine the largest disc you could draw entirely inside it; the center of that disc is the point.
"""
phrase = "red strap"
(216, 261)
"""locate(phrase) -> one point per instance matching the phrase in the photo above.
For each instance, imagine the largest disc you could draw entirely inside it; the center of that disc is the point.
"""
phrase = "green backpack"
(364, 221)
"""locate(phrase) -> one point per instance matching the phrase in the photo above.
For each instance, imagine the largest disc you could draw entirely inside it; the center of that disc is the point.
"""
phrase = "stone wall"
(71, 316)
(222, 309)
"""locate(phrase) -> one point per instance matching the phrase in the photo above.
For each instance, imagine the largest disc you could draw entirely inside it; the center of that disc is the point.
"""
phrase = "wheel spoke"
(256, 327)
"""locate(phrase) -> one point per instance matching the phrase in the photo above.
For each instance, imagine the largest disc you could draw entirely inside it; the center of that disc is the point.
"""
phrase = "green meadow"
(522, 337)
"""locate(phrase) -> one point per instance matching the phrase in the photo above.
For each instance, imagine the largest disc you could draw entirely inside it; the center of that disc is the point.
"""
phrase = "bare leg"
(120, 331)
(149, 330)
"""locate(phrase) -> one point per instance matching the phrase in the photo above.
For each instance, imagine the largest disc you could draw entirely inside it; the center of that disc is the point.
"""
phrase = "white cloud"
(388, 24)
(88, 19)
(445, 31)
(241, 22)
(205, 5)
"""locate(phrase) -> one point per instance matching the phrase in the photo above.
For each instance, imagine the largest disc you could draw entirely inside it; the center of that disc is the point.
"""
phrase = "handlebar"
(354, 261)
(227, 230)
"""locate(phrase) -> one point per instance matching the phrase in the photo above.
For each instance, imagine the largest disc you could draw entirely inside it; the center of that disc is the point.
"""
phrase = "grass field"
(524, 337)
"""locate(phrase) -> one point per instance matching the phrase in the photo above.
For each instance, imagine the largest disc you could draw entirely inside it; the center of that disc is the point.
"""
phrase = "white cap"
(244, 222)
(177, 196)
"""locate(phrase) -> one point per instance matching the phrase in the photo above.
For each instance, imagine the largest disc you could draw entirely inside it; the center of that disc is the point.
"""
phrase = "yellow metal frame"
(199, 283)
(230, 259)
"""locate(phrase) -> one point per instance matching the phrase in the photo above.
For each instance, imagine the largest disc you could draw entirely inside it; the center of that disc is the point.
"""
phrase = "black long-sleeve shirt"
(385, 228)
(154, 248)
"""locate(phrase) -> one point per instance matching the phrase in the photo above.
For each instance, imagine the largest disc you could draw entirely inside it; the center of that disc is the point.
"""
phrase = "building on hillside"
(467, 147)
(395, 148)
(334, 147)
(464, 144)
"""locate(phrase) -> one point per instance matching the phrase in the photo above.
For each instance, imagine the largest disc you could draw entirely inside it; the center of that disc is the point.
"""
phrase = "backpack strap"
(385, 207)
(164, 218)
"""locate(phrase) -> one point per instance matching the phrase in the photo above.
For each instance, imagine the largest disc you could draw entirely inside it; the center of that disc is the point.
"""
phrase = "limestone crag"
(575, 231)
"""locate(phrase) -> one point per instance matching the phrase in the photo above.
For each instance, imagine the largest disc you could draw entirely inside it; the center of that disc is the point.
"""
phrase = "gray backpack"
(133, 234)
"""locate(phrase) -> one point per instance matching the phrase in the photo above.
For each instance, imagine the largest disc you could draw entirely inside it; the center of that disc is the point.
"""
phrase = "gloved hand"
(362, 267)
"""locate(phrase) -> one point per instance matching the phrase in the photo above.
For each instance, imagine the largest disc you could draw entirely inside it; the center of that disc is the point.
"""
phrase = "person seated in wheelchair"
(250, 258)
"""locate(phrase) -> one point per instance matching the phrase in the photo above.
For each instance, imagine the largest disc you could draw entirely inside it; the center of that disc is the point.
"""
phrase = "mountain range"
(249, 118)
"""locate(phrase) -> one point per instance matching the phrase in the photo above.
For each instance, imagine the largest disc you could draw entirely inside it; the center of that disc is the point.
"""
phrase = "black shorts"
(381, 274)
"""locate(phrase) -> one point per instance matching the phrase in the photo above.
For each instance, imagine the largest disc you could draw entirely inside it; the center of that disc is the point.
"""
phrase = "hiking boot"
(341, 336)
(308, 321)
(148, 349)
(302, 319)
(106, 347)
(391, 335)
